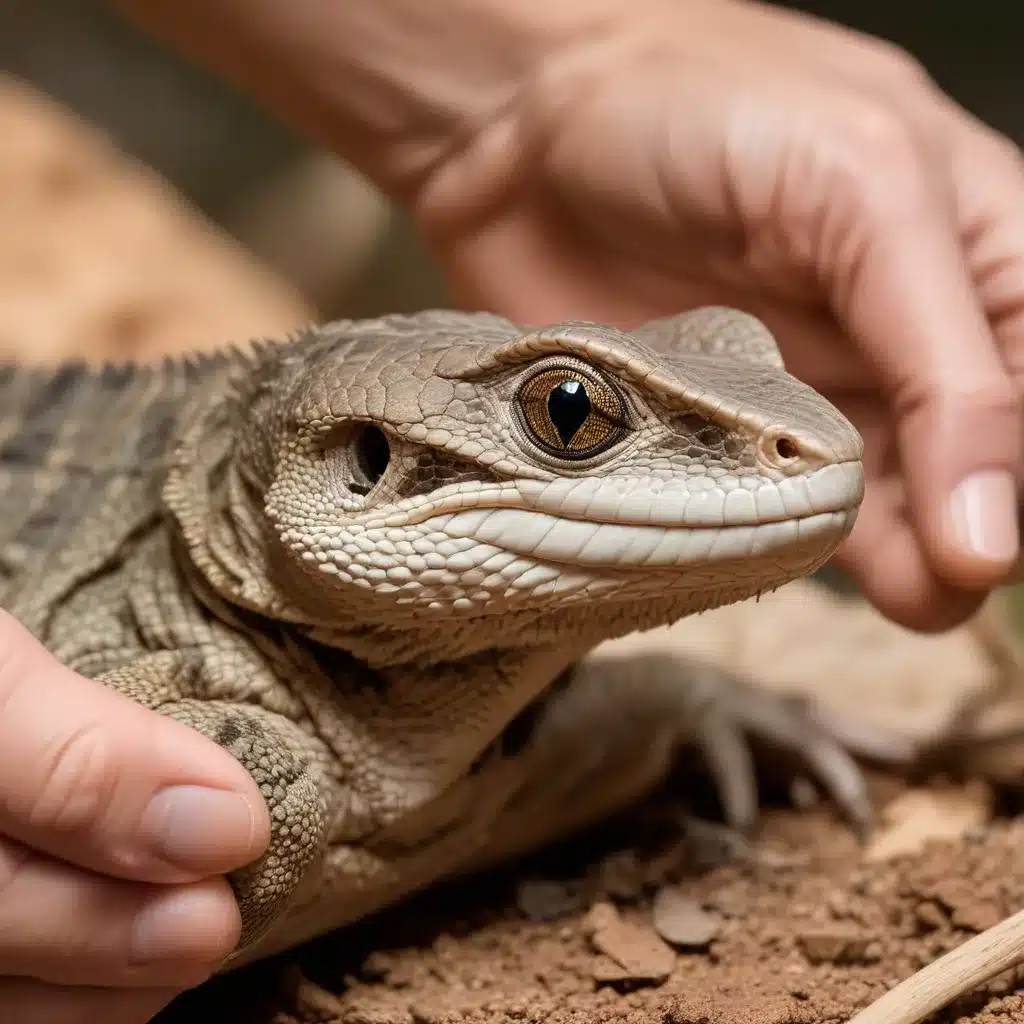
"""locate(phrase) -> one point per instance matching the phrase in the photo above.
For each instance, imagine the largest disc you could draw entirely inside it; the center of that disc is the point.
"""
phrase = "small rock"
(803, 794)
(709, 846)
(543, 900)
(424, 1013)
(873, 952)
(976, 917)
(929, 915)
(951, 893)
(621, 876)
(682, 922)
(967, 908)
(832, 944)
(641, 954)
(377, 1015)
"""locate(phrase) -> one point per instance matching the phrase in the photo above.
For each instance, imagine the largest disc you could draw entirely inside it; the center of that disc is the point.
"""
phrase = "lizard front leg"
(611, 730)
(269, 747)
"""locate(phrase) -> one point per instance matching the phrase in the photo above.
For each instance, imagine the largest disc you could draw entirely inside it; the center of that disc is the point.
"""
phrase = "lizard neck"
(392, 714)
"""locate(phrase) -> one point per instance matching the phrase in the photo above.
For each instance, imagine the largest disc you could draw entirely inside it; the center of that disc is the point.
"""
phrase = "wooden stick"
(961, 970)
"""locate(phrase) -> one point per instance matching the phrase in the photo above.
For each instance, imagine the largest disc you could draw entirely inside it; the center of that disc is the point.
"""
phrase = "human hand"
(115, 827)
(708, 151)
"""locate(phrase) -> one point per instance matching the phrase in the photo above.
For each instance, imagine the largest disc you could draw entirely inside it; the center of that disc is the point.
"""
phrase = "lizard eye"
(570, 414)
(370, 456)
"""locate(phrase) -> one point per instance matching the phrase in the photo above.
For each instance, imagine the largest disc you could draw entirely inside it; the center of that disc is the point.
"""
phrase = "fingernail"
(200, 829)
(983, 508)
(197, 924)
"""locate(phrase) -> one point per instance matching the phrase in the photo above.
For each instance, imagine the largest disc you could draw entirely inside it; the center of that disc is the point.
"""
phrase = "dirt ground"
(802, 932)
(647, 921)
(640, 921)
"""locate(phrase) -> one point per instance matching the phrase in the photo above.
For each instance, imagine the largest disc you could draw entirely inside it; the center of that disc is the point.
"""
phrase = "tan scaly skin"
(370, 562)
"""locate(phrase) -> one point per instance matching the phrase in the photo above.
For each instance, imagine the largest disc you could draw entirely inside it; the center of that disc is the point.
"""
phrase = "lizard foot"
(275, 753)
(619, 722)
(727, 719)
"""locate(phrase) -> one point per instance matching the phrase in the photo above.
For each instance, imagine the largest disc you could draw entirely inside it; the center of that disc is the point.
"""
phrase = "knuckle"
(878, 137)
(79, 781)
(876, 157)
(29, 1001)
(899, 66)
(1003, 151)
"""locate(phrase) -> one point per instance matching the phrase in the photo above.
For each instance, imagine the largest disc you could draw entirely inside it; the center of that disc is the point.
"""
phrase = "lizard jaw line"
(574, 545)
(836, 488)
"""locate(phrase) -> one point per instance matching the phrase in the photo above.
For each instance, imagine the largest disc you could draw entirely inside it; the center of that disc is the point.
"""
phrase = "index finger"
(907, 297)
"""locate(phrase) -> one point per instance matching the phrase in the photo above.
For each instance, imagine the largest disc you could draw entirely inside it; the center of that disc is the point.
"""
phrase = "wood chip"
(683, 922)
(638, 951)
(922, 816)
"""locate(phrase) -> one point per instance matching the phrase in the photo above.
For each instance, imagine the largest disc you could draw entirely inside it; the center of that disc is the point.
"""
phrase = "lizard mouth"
(571, 542)
(493, 512)
(463, 546)
(629, 531)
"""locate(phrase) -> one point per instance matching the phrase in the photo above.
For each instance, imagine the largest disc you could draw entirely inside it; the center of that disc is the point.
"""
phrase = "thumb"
(94, 779)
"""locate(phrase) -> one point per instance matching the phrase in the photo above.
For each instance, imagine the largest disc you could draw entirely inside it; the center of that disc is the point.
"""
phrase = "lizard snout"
(794, 451)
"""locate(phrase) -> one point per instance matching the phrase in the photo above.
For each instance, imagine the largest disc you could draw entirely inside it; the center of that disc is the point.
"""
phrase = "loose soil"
(804, 930)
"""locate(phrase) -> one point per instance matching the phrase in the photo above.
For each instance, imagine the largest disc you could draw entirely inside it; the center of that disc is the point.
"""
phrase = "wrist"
(392, 86)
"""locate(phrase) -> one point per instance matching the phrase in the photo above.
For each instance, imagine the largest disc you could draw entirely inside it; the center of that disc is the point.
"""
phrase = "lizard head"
(454, 483)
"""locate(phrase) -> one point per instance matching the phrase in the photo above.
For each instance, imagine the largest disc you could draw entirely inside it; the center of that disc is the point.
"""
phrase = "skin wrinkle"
(362, 654)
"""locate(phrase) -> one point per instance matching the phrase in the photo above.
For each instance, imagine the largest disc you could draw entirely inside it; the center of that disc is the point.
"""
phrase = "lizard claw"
(733, 715)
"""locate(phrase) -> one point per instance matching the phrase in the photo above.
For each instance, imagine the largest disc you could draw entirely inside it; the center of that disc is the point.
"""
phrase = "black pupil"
(568, 407)
(373, 452)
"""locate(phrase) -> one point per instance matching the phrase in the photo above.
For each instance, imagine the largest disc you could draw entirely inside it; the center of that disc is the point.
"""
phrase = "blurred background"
(308, 217)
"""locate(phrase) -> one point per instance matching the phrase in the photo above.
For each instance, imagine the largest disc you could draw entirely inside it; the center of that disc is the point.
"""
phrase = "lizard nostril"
(781, 450)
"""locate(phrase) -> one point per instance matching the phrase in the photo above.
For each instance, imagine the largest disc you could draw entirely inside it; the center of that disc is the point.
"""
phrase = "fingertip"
(205, 830)
(983, 530)
(198, 924)
(961, 450)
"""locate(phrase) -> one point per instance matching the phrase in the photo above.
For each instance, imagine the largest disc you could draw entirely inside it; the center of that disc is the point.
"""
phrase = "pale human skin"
(597, 159)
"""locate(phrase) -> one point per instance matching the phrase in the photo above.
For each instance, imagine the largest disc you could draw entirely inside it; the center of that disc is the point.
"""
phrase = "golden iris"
(569, 413)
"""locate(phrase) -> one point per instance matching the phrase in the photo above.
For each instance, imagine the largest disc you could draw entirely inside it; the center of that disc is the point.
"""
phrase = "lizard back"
(81, 454)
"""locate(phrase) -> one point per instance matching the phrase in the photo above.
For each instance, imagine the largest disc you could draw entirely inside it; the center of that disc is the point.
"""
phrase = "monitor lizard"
(370, 561)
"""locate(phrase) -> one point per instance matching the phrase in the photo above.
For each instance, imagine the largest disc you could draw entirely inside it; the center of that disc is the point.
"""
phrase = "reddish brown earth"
(807, 932)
